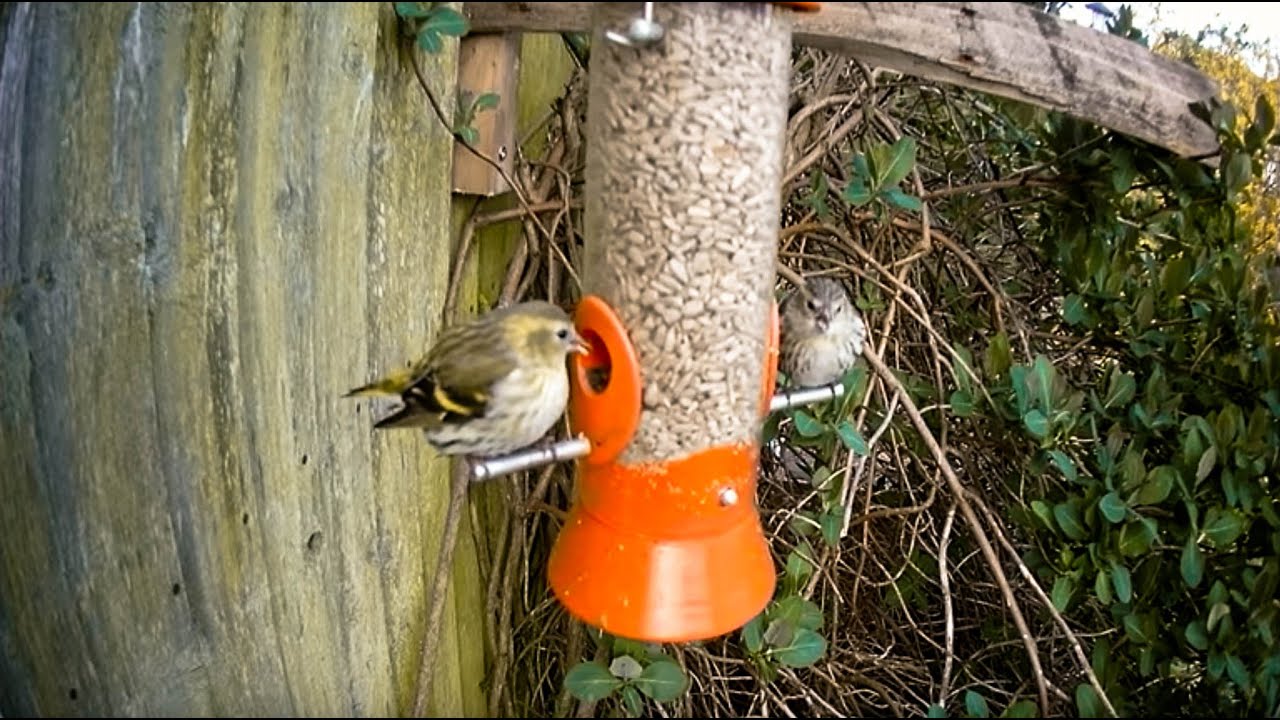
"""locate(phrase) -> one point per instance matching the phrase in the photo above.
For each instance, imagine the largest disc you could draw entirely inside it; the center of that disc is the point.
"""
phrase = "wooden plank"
(488, 63)
(217, 218)
(1004, 49)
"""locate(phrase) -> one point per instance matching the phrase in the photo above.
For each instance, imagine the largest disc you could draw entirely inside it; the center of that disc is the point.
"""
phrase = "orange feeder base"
(665, 552)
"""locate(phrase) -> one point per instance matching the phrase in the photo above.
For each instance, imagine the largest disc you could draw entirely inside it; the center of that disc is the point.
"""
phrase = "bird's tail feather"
(392, 384)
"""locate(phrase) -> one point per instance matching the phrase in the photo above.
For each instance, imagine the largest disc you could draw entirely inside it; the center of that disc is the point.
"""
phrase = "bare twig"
(975, 525)
(460, 482)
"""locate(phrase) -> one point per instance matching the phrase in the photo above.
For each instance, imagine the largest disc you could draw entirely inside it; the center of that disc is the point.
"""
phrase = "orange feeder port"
(661, 551)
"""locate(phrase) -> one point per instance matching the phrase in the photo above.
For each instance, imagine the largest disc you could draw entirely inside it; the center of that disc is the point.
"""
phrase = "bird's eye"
(813, 305)
(563, 333)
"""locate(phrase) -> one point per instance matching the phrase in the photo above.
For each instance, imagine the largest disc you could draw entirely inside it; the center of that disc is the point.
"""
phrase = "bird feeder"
(687, 110)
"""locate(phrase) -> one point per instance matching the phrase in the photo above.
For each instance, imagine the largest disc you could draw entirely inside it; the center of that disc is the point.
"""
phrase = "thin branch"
(461, 481)
(944, 579)
(975, 525)
(1030, 577)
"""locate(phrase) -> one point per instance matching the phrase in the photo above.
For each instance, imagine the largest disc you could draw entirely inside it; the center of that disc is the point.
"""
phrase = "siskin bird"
(487, 387)
(821, 334)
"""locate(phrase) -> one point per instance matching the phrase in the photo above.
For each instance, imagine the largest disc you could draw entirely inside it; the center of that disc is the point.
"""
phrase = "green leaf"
(663, 681)
(1216, 665)
(851, 438)
(487, 101)
(469, 134)
(895, 164)
(429, 40)
(800, 612)
(1022, 709)
(1122, 171)
(1122, 582)
(1196, 635)
(1065, 464)
(1087, 703)
(1238, 172)
(753, 634)
(901, 200)
(1132, 469)
(962, 403)
(1102, 587)
(589, 681)
(976, 705)
(1192, 564)
(1205, 466)
(1159, 483)
(1044, 374)
(1147, 661)
(807, 425)
(1018, 378)
(1136, 537)
(1112, 507)
(1068, 518)
(447, 21)
(1140, 628)
(1217, 611)
(1063, 588)
(1044, 512)
(779, 633)
(1264, 114)
(625, 667)
(1145, 310)
(936, 711)
(798, 568)
(411, 10)
(1037, 424)
(999, 356)
(1237, 672)
(631, 701)
(1120, 390)
(856, 193)
(831, 522)
(806, 648)
(1074, 311)
(1222, 527)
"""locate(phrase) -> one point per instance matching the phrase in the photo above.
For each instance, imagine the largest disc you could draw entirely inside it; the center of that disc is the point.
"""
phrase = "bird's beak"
(580, 346)
(822, 321)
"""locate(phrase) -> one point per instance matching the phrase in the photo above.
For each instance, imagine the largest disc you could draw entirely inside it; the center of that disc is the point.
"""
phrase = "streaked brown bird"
(821, 335)
(487, 387)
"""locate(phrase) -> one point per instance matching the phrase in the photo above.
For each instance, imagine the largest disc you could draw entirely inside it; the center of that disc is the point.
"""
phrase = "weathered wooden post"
(212, 217)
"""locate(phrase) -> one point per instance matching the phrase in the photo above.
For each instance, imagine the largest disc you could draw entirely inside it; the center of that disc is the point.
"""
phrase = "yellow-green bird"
(489, 386)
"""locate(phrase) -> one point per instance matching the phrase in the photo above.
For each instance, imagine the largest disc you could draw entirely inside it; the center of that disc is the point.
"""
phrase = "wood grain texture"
(1004, 49)
(214, 220)
(488, 63)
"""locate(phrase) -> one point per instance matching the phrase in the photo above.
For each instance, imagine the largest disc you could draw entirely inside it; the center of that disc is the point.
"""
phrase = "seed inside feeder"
(684, 162)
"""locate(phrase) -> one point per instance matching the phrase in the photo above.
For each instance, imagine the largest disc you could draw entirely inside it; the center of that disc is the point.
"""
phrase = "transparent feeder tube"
(684, 164)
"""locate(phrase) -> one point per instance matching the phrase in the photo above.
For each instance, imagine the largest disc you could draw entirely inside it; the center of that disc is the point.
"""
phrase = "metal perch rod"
(805, 396)
(570, 449)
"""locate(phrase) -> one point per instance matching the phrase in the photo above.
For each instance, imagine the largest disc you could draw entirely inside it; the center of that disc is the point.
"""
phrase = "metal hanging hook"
(642, 32)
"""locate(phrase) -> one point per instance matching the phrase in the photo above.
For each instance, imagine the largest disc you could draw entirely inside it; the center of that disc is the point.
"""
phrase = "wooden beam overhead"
(1004, 49)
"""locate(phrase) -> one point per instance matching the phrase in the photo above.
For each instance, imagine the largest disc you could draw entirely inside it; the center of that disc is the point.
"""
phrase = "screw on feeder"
(728, 497)
(562, 451)
(642, 32)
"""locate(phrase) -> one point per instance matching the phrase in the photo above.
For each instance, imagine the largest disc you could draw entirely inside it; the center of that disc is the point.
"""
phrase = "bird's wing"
(441, 394)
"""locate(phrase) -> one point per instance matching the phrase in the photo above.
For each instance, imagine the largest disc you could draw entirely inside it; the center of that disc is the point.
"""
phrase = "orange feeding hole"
(604, 384)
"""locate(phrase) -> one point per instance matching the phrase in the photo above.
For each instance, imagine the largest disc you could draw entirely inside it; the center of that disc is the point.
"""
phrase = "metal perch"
(562, 451)
(805, 396)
